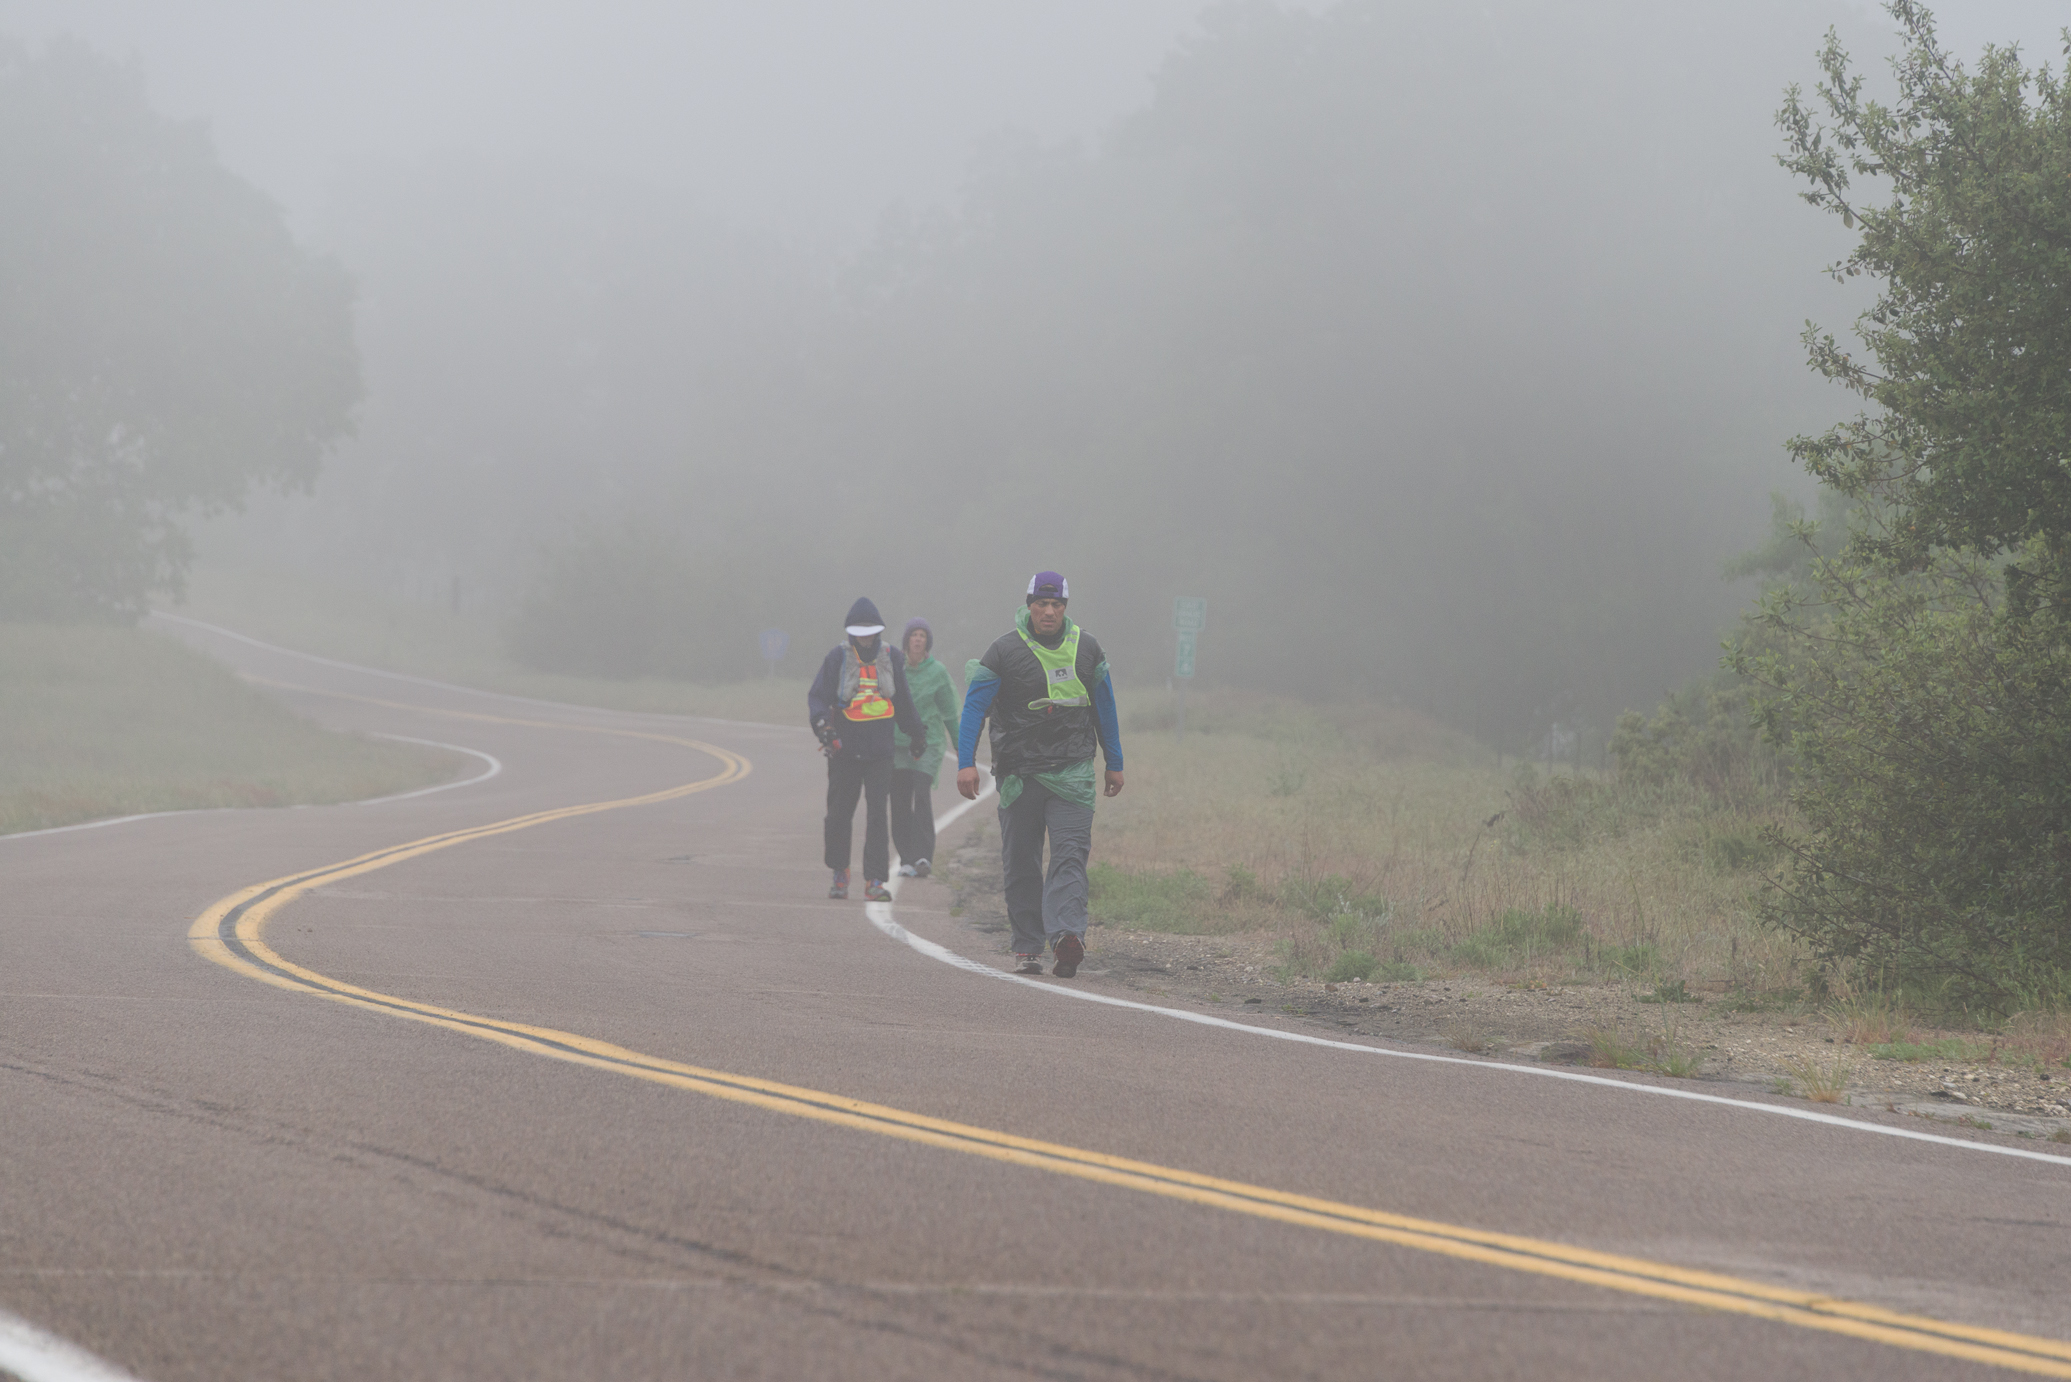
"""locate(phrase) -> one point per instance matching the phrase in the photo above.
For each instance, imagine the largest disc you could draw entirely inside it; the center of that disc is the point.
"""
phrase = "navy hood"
(863, 615)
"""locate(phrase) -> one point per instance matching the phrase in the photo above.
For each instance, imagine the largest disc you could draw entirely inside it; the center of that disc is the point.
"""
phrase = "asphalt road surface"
(575, 1072)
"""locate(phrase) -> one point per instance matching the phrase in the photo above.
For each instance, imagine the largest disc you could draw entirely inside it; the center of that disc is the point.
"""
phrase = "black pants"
(913, 815)
(871, 778)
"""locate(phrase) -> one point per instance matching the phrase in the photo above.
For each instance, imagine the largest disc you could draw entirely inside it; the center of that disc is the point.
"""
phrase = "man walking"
(1047, 690)
(853, 703)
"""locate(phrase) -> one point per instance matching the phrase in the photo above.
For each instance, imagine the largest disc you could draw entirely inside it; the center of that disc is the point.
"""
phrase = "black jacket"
(1039, 741)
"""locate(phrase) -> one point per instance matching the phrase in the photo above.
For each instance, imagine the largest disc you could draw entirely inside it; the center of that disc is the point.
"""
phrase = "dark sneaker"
(876, 891)
(920, 868)
(1070, 950)
(1027, 964)
(840, 888)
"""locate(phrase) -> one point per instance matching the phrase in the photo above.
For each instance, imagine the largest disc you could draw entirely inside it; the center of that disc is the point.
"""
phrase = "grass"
(1373, 842)
(1822, 1084)
(98, 721)
(430, 641)
(1610, 1048)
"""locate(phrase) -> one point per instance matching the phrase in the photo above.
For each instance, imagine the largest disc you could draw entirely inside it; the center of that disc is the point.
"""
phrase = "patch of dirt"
(1711, 1035)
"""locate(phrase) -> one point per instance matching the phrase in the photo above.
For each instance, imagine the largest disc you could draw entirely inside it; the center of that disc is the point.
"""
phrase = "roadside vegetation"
(98, 720)
(1377, 845)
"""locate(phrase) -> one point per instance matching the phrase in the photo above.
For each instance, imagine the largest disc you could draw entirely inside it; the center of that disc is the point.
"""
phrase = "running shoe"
(920, 868)
(840, 888)
(1027, 964)
(906, 871)
(1070, 950)
(876, 891)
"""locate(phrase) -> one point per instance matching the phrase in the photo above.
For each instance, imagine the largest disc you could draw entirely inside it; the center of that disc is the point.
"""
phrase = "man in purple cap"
(852, 704)
(1046, 688)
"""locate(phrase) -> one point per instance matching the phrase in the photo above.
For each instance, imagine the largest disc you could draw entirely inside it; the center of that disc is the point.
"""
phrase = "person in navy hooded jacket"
(853, 703)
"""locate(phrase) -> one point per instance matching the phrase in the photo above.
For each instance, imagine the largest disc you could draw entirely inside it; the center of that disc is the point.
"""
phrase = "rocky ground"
(1790, 1049)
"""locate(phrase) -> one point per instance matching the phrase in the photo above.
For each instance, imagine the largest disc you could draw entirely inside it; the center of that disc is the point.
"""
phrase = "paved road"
(622, 1095)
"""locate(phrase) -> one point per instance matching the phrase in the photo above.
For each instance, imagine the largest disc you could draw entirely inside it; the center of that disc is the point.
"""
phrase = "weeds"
(1353, 964)
(1823, 1084)
(1611, 1049)
(1469, 1038)
(1871, 1019)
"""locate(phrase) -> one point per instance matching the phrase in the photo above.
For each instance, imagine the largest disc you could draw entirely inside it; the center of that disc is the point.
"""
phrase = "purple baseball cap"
(1048, 585)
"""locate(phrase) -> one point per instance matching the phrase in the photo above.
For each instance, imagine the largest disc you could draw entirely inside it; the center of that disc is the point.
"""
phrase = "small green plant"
(1401, 972)
(1353, 964)
(1240, 884)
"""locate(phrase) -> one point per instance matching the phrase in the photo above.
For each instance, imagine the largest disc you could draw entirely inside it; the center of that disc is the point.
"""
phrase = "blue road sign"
(775, 643)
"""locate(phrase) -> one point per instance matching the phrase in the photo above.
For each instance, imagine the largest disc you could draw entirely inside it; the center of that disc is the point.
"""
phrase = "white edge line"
(880, 914)
(447, 685)
(495, 767)
(37, 1355)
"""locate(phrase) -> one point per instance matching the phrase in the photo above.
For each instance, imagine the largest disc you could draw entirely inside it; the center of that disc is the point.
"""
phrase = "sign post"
(1189, 617)
(775, 643)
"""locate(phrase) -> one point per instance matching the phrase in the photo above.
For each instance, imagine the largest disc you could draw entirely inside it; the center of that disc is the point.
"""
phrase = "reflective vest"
(867, 704)
(1060, 672)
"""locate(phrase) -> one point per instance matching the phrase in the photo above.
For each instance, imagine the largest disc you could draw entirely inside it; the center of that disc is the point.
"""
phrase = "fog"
(1448, 351)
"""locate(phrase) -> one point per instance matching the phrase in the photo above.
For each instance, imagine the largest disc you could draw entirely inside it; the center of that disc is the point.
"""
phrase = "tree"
(1972, 330)
(164, 344)
(1920, 676)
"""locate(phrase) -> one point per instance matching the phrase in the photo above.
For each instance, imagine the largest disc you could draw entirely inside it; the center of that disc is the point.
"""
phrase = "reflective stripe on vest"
(1060, 672)
(866, 704)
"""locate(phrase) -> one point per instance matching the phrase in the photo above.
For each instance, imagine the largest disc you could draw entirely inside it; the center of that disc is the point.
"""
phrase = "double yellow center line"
(231, 934)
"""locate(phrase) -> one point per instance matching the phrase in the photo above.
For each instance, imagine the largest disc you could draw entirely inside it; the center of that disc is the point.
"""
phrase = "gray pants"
(1041, 906)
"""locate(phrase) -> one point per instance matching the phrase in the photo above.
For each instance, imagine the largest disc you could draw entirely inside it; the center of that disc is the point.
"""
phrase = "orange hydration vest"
(867, 703)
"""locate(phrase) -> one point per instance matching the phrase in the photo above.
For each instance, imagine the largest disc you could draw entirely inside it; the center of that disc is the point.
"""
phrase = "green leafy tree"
(164, 343)
(1918, 673)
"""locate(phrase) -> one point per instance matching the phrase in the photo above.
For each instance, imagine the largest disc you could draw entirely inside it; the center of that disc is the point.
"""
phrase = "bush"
(1927, 715)
(1353, 964)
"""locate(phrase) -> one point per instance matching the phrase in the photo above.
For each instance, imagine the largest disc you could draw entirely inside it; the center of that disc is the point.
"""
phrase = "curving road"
(572, 1072)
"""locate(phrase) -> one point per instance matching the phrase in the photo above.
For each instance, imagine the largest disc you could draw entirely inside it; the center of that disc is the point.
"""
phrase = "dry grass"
(98, 722)
(2043, 1038)
(1371, 831)
(1871, 1018)
(1822, 1083)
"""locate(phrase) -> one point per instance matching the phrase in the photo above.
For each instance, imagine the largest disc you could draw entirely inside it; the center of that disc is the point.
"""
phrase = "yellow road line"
(231, 934)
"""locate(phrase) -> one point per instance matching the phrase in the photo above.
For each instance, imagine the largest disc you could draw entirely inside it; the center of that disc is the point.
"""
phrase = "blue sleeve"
(1110, 723)
(977, 701)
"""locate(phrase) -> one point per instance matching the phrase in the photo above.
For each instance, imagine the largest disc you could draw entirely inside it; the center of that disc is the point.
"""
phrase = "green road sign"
(1189, 614)
(1183, 664)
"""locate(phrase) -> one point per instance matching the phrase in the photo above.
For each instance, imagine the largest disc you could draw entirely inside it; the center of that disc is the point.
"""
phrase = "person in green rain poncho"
(913, 781)
(1046, 688)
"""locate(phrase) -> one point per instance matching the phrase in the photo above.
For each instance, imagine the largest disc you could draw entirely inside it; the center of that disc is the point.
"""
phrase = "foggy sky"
(804, 116)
